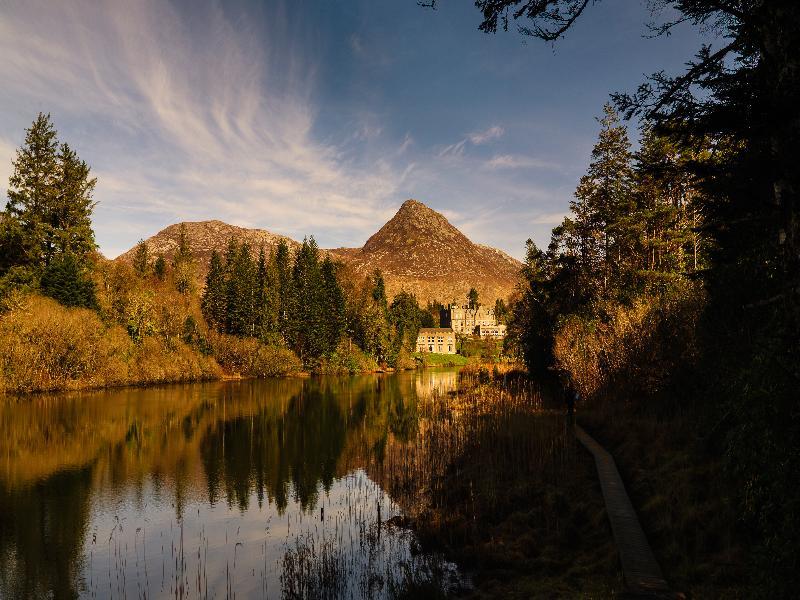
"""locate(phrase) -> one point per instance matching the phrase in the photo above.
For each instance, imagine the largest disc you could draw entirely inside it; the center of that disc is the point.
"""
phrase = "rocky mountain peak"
(413, 226)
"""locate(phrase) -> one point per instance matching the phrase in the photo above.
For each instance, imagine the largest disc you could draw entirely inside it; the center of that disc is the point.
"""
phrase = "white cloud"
(481, 137)
(189, 122)
(476, 138)
(456, 149)
(513, 161)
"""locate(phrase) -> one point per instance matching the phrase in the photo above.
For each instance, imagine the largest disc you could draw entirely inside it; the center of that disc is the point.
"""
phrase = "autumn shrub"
(250, 358)
(156, 360)
(630, 348)
(47, 346)
(404, 361)
(348, 359)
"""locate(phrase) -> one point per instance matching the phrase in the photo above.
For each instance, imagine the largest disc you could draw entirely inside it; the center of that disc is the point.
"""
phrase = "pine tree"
(500, 311)
(240, 291)
(283, 270)
(405, 319)
(213, 302)
(266, 299)
(373, 330)
(379, 289)
(70, 224)
(307, 319)
(160, 268)
(65, 279)
(603, 225)
(32, 189)
(260, 293)
(183, 263)
(472, 299)
(49, 200)
(668, 210)
(334, 308)
(141, 259)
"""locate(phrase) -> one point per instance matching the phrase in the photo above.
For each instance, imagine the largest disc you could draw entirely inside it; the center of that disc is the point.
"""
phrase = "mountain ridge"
(418, 250)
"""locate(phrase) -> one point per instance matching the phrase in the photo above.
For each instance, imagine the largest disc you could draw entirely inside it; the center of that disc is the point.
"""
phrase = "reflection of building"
(428, 381)
(467, 321)
(441, 340)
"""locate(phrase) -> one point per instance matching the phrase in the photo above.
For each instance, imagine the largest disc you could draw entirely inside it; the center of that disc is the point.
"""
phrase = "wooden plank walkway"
(643, 577)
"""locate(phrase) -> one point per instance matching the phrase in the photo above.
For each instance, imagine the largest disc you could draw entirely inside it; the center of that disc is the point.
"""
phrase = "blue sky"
(319, 117)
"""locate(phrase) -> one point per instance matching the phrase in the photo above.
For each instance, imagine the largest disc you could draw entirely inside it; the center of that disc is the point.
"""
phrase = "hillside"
(418, 250)
(207, 236)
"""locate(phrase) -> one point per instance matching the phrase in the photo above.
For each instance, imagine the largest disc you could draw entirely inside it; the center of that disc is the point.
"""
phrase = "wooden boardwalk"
(643, 577)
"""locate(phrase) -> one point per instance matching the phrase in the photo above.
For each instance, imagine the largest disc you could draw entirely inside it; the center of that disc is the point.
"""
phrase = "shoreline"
(225, 377)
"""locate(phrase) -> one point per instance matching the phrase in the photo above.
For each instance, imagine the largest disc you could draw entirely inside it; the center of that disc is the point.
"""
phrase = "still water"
(253, 489)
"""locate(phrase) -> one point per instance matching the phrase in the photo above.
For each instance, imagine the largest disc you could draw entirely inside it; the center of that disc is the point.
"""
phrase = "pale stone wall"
(439, 340)
(494, 331)
(466, 321)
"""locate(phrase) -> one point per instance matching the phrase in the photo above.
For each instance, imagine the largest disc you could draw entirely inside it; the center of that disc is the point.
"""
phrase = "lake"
(262, 488)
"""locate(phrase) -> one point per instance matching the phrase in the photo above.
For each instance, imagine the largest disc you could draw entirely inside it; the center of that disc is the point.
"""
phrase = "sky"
(320, 117)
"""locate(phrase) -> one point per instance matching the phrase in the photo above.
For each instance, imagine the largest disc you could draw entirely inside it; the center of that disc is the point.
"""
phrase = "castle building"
(493, 331)
(439, 340)
(480, 321)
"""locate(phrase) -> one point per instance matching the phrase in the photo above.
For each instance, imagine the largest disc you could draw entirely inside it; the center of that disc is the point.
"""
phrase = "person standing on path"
(572, 398)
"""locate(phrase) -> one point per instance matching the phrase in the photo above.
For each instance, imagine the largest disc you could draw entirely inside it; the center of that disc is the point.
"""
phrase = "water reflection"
(205, 489)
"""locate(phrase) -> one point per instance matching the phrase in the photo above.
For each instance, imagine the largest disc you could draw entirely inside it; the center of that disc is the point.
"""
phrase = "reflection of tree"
(271, 438)
(42, 528)
(269, 451)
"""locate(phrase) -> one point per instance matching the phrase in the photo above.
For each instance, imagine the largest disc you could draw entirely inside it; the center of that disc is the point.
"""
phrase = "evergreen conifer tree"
(65, 279)
(141, 259)
(183, 263)
(69, 220)
(283, 270)
(379, 289)
(49, 206)
(405, 317)
(334, 309)
(604, 223)
(307, 314)
(240, 291)
(160, 268)
(213, 302)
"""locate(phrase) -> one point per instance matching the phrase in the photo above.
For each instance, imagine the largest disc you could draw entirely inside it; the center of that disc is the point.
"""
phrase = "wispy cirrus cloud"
(481, 137)
(184, 120)
(516, 161)
(476, 138)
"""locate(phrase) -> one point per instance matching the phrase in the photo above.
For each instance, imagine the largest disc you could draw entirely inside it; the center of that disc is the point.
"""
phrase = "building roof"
(435, 330)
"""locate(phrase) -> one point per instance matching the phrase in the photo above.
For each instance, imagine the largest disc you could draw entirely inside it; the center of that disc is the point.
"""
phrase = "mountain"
(418, 250)
(205, 237)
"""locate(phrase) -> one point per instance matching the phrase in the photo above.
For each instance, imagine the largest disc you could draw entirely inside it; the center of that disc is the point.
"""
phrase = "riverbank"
(47, 347)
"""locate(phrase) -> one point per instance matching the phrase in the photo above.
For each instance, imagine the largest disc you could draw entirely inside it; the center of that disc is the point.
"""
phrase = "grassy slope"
(430, 359)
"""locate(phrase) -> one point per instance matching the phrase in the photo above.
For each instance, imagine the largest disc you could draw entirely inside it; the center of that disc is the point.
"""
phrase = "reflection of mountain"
(274, 439)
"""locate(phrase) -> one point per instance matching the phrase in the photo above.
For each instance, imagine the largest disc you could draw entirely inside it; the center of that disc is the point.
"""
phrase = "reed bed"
(496, 480)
